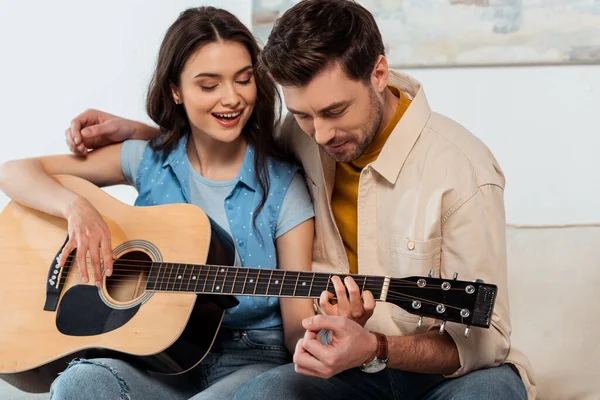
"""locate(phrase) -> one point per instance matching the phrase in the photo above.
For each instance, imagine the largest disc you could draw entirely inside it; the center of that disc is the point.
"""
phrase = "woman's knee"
(90, 379)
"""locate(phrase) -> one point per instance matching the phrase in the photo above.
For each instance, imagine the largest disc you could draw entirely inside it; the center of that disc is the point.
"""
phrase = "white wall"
(59, 58)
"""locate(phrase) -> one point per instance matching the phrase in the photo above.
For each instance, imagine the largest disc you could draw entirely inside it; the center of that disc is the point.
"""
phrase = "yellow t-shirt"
(345, 191)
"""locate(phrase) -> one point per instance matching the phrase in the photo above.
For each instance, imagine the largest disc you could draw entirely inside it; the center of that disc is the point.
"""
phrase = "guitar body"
(163, 332)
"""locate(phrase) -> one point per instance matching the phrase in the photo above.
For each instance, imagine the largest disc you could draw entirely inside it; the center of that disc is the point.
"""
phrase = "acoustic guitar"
(171, 283)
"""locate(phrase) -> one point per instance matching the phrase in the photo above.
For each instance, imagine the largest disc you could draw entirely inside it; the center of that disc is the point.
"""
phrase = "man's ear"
(175, 94)
(380, 74)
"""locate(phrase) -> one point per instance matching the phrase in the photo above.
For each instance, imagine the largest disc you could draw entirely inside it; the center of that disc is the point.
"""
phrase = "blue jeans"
(235, 357)
(284, 383)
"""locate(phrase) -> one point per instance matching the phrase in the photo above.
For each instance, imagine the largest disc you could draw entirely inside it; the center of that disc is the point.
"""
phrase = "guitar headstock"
(463, 302)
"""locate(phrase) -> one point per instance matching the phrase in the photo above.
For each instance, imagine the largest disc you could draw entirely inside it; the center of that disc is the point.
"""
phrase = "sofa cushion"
(553, 282)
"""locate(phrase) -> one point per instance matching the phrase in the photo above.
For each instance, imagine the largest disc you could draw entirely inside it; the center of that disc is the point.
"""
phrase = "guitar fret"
(225, 287)
(162, 281)
(375, 285)
(182, 278)
(302, 287)
(234, 280)
(256, 284)
(189, 280)
(311, 285)
(174, 280)
(212, 290)
(328, 282)
(215, 285)
(282, 282)
(250, 286)
(269, 284)
(151, 283)
(262, 282)
(239, 285)
(296, 285)
(193, 277)
(317, 285)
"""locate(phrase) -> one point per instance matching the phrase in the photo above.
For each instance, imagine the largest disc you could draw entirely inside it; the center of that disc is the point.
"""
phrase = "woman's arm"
(29, 182)
(294, 252)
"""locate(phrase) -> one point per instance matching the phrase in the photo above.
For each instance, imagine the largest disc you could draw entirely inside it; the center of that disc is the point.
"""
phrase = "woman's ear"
(175, 94)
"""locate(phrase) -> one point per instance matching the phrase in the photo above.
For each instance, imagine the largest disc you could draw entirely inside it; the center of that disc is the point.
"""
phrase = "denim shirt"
(164, 179)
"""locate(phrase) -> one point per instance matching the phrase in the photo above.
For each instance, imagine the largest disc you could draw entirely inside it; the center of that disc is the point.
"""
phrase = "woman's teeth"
(231, 115)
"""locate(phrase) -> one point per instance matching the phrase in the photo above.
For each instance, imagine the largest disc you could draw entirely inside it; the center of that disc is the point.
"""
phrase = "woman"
(216, 150)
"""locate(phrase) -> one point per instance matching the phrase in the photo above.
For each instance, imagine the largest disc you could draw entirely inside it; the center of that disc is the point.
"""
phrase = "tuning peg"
(467, 331)
(420, 323)
(478, 281)
(442, 328)
(455, 276)
(430, 274)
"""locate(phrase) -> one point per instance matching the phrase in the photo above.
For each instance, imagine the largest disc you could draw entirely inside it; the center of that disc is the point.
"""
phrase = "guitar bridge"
(53, 282)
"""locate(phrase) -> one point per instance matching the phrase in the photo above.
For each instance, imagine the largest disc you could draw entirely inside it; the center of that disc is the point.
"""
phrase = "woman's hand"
(88, 233)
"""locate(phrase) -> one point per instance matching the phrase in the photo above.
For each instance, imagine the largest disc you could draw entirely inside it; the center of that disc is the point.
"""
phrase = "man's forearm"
(427, 353)
(145, 132)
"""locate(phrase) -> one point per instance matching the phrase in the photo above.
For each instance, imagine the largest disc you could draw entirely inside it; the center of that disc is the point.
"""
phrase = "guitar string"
(148, 264)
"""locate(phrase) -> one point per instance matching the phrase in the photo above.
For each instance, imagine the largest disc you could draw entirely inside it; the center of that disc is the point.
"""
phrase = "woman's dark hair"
(193, 29)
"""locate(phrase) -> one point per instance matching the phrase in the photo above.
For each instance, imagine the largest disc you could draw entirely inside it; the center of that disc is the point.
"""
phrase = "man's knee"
(493, 383)
(89, 379)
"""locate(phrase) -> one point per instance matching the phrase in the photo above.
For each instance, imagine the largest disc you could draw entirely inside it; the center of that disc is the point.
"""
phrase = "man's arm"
(93, 129)
(352, 345)
(473, 245)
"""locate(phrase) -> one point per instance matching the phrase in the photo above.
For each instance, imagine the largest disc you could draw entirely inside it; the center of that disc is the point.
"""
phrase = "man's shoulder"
(451, 142)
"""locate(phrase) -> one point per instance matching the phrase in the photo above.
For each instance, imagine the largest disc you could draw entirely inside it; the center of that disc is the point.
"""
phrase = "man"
(398, 191)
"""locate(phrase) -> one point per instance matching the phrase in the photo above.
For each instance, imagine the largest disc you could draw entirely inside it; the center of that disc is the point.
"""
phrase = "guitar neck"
(215, 279)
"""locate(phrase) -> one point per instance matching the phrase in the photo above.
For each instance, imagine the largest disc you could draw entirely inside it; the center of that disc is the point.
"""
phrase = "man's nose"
(324, 132)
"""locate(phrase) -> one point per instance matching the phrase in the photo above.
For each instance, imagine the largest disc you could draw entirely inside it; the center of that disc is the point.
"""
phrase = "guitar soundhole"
(129, 277)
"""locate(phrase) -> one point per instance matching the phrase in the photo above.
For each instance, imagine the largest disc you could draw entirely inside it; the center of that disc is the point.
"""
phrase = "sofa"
(553, 273)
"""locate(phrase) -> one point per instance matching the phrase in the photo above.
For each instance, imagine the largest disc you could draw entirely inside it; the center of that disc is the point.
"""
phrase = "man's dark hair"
(315, 33)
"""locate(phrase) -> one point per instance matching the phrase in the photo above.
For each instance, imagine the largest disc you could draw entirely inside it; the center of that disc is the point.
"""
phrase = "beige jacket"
(432, 200)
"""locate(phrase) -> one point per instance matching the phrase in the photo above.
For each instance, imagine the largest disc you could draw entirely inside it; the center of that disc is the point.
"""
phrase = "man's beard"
(369, 131)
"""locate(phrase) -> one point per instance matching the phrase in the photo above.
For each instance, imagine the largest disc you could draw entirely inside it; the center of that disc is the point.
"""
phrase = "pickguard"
(82, 312)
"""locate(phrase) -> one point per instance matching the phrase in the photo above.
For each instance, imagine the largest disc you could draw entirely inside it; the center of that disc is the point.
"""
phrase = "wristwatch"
(380, 361)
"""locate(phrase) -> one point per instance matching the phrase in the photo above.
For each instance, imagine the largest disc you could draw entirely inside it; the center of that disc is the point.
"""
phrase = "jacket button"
(241, 243)
(411, 245)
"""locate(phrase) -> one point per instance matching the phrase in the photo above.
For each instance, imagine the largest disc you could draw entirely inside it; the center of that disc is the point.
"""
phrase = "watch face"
(374, 366)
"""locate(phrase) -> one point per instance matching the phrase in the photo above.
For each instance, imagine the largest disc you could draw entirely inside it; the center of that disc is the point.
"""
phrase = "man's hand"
(93, 129)
(357, 308)
(351, 345)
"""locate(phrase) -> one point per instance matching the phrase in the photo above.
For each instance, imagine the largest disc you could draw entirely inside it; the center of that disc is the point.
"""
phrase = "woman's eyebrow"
(213, 75)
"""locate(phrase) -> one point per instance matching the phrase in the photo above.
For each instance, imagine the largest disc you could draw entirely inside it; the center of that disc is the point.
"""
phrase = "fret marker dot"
(193, 277)
(277, 282)
(179, 277)
(222, 269)
(251, 280)
(303, 283)
(218, 287)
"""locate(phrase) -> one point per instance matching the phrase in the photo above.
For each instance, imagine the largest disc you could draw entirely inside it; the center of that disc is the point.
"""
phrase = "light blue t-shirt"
(210, 196)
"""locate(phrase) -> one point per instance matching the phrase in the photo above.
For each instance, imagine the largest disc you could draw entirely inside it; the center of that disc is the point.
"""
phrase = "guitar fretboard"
(212, 279)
